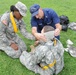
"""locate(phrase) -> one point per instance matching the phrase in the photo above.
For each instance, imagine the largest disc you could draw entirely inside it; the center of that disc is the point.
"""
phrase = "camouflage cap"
(72, 51)
(21, 7)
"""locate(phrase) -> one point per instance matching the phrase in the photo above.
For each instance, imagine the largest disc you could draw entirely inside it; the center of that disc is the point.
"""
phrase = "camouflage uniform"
(7, 36)
(72, 25)
(70, 48)
(44, 54)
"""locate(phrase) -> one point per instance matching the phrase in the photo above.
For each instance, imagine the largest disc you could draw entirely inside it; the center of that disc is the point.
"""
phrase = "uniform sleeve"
(3, 35)
(3, 26)
(33, 22)
(54, 16)
(25, 33)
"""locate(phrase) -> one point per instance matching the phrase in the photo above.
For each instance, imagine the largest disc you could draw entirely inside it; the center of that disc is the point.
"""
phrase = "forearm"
(34, 31)
(58, 29)
(58, 26)
(26, 34)
(36, 34)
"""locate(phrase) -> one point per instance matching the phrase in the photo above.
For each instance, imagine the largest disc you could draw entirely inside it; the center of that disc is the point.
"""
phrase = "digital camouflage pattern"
(72, 51)
(70, 48)
(43, 55)
(7, 36)
(72, 25)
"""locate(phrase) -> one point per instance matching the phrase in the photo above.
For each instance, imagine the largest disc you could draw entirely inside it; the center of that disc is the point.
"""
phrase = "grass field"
(9, 66)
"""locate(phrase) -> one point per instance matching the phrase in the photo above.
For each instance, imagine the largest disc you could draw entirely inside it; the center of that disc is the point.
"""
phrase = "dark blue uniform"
(50, 18)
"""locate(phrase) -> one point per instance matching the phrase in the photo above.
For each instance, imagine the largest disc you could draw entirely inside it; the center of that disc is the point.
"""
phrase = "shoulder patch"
(4, 22)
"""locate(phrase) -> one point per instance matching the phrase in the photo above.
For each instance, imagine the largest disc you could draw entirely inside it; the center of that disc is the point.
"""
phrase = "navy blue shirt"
(50, 18)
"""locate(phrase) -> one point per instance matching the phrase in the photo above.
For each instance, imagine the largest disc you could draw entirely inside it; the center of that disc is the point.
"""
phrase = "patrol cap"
(34, 9)
(21, 7)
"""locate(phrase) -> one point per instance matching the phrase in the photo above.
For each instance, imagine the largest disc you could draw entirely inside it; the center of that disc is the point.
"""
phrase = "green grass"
(9, 66)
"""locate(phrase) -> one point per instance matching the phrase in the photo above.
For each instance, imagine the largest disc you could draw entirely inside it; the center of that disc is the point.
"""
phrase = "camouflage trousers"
(10, 51)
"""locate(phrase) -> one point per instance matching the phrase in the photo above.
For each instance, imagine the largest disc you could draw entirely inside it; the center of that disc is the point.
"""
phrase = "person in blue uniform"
(41, 17)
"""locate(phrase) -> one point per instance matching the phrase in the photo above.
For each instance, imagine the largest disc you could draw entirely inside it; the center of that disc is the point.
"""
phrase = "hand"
(14, 46)
(57, 32)
(40, 36)
(36, 43)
